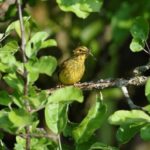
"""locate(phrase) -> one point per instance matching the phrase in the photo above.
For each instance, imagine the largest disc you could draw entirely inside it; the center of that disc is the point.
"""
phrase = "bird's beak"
(92, 55)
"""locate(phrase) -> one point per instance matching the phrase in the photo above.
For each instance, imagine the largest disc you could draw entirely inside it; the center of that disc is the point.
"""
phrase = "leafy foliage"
(22, 100)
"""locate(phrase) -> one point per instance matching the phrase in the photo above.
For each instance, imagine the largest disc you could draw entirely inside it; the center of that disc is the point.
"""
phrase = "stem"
(126, 94)
(59, 142)
(130, 102)
(24, 58)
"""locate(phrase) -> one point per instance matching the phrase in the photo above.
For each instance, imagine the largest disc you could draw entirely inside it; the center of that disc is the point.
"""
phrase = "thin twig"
(147, 47)
(59, 142)
(23, 45)
(141, 69)
(130, 102)
(126, 94)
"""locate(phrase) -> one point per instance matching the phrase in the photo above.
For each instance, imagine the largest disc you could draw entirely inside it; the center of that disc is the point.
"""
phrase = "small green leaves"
(130, 123)
(139, 31)
(136, 45)
(10, 48)
(49, 43)
(15, 82)
(90, 123)
(5, 123)
(145, 132)
(37, 100)
(20, 118)
(5, 99)
(128, 130)
(102, 146)
(44, 65)
(37, 42)
(56, 117)
(123, 116)
(66, 94)
(16, 26)
(81, 8)
(35, 143)
(147, 89)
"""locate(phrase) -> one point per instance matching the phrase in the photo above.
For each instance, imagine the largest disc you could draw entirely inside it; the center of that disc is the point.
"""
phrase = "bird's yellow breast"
(72, 70)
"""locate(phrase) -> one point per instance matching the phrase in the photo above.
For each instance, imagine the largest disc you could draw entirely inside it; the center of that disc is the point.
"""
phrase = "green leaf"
(5, 123)
(147, 108)
(145, 132)
(66, 94)
(147, 90)
(81, 8)
(124, 116)
(56, 117)
(15, 82)
(127, 131)
(10, 48)
(35, 43)
(5, 99)
(136, 45)
(102, 146)
(90, 123)
(20, 118)
(17, 99)
(45, 65)
(49, 43)
(37, 100)
(35, 144)
(16, 26)
(140, 29)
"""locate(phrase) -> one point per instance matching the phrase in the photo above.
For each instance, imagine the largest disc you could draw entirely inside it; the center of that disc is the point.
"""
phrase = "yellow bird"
(72, 69)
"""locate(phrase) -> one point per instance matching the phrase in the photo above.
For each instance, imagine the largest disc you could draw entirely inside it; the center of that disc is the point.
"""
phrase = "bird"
(72, 70)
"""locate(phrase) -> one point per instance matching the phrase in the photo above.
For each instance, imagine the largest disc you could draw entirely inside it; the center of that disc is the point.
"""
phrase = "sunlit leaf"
(124, 116)
(102, 146)
(66, 94)
(90, 123)
(145, 132)
(16, 26)
(5, 123)
(128, 131)
(5, 99)
(35, 43)
(147, 89)
(140, 29)
(49, 43)
(56, 117)
(44, 65)
(20, 118)
(15, 82)
(136, 45)
(81, 8)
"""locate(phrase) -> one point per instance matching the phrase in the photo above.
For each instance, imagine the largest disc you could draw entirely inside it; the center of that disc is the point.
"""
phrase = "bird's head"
(81, 50)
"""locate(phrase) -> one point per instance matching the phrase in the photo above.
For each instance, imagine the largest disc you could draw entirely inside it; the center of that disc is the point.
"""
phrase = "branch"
(23, 45)
(108, 83)
(141, 69)
(130, 102)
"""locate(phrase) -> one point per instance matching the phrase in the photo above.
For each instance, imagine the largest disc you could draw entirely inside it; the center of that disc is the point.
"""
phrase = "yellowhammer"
(72, 69)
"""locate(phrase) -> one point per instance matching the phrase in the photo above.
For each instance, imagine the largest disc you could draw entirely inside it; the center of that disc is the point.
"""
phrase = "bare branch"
(23, 45)
(130, 102)
(141, 69)
(108, 83)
